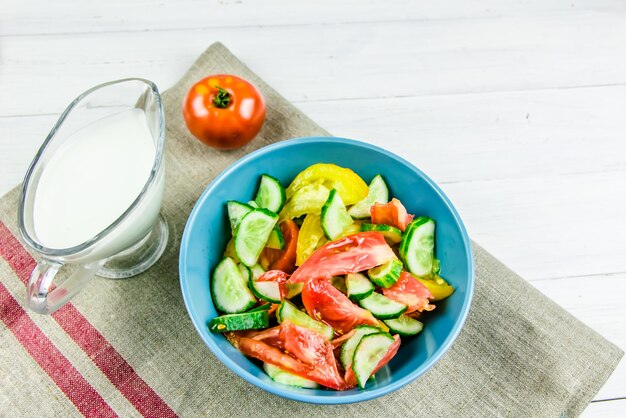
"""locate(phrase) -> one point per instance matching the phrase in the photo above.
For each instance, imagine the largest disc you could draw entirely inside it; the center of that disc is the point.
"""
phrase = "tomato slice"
(322, 373)
(350, 377)
(393, 213)
(327, 304)
(284, 259)
(409, 291)
(350, 254)
(277, 276)
(313, 349)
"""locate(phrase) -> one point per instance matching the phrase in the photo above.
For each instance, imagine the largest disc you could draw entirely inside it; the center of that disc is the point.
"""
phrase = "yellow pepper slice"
(308, 199)
(230, 251)
(437, 286)
(348, 184)
(310, 234)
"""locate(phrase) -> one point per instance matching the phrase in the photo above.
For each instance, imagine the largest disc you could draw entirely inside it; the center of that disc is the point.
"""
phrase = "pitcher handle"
(45, 301)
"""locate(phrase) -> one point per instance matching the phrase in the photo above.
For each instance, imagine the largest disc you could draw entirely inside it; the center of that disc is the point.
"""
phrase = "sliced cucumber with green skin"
(417, 248)
(335, 218)
(377, 193)
(370, 351)
(264, 307)
(236, 212)
(269, 291)
(278, 375)
(276, 239)
(382, 307)
(288, 311)
(229, 288)
(392, 234)
(252, 235)
(293, 289)
(240, 322)
(358, 286)
(339, 283)
(386, 275)
(404, 325)
(246, 273)
(347, 349)
(256, 270)
(271, 194)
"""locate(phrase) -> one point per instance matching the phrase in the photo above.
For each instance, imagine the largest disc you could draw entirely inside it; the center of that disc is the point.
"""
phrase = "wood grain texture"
(516, 108)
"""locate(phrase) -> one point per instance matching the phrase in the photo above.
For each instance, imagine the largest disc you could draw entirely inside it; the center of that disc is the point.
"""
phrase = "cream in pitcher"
(92, 179)
(92, 195)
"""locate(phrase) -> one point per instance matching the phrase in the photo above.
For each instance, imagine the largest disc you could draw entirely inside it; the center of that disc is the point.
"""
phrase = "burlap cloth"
(519, 354)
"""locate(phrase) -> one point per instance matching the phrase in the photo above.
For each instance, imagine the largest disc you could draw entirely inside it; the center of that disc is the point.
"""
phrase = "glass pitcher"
(136, 235)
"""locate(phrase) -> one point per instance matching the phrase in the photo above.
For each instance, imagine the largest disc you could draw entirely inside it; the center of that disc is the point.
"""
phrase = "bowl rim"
(304, 397)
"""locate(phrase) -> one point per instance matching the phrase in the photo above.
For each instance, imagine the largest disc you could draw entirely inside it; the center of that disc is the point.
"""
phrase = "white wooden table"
(517, 108)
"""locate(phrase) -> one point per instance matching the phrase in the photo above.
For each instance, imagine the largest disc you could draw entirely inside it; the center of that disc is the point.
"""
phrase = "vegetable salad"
(321, 280)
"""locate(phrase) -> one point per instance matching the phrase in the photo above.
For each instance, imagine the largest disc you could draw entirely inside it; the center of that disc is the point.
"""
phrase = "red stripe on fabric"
(56, 365)
(89, 339)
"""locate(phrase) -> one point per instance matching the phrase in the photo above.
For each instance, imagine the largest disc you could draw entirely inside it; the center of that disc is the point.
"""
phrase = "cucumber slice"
(386, 275)
(276, 239)
(347, 349)
(252, 234)
(236, 212)
(278, 375)
(382, 307)
(269, 291)
(293, 289)
(264, 307)
(240, 322)
(288, 311)
(339, 283)
(229, 288)
(417, 248)
(377, 193)
(271, 194)
(335, 218)
(358, 286)
(256, 270)
(404, 325)
(392, 234)
(370, 351)
(246, 273)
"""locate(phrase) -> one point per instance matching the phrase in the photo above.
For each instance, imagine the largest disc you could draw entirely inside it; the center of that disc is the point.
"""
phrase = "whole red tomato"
(224, 111)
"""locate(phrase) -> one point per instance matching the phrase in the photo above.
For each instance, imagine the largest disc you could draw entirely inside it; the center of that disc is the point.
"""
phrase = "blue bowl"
(207, 233)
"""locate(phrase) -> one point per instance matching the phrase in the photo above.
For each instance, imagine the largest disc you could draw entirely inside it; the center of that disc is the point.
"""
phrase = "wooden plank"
(610, 409)
(490, 136)
(394, 59)
(550, 226)
(598, 301)
(29, 17)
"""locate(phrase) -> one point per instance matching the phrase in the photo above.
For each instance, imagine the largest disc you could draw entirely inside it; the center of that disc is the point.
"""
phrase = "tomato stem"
(222, 99)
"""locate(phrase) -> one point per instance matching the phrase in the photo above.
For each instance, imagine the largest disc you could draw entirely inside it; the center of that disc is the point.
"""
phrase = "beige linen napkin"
(128, 347)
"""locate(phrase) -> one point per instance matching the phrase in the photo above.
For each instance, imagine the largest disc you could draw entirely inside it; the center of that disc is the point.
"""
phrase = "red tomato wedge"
(393, 213)
(277, 276)
(275, 356)
(409, 291)
(327, 304)
(313, 349)
(284, 259)
(350, 254)
(393, 349)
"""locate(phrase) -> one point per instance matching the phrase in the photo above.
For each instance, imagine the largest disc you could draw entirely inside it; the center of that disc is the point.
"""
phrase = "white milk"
(92, 179)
